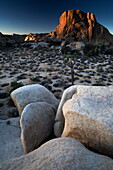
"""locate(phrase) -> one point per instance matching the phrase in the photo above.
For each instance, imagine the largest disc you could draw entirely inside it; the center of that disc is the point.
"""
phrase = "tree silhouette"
(70, 61)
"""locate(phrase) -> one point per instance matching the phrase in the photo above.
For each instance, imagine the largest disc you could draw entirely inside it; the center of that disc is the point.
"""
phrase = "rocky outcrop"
(61, 153)
(76, 25)
(34, 37)
(37, 122)
(85, 114)
(10, 144)
(32, 94)
(88, 118)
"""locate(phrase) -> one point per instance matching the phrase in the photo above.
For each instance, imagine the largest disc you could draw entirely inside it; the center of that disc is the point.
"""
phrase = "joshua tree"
(70, 60)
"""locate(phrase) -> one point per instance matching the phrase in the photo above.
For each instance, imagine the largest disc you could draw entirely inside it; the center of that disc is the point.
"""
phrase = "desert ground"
(29, 64)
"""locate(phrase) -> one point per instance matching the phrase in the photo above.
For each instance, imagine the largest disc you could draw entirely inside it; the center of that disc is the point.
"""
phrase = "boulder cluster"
(37, 107)
(81, 121)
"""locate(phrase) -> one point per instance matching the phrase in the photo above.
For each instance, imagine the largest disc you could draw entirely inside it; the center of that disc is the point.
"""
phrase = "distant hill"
(10, 40)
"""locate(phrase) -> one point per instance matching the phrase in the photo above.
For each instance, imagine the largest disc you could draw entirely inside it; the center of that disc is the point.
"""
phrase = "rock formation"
(88, 117)
(76, 25)
(84, 114)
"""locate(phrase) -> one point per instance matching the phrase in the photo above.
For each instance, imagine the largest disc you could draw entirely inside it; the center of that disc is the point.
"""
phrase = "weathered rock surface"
(61, 153)
(59, 120)
(89, 118)
(37, 122)
(32, 94)
(76, 25)
(10, 144)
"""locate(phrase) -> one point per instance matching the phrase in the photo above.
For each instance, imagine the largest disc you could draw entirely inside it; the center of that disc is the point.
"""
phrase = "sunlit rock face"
(34, 37)
(31, 37)
(80, 26)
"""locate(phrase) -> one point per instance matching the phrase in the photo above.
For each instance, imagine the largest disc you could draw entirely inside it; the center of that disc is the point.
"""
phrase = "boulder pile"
(84, 121)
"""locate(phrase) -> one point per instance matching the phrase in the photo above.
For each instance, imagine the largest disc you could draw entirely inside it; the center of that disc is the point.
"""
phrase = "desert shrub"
(36, 78)
(102, 48)
(66, 49)
(89, 53)
(109, 51)
(87, 48)
(14, 85)
(91, 50)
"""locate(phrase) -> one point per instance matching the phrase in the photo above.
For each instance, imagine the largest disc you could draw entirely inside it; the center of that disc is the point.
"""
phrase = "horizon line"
(26, 33)
(11, 33)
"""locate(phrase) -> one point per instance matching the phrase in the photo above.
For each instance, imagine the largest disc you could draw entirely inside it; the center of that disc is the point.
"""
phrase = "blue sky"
(26, 16)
